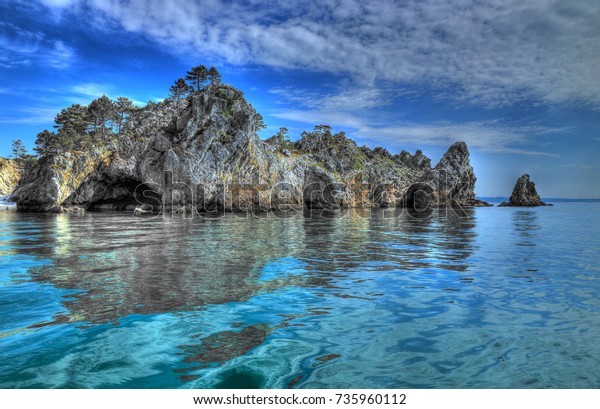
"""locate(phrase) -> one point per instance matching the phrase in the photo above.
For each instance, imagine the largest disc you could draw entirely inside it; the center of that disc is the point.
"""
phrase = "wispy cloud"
(86, 92)
(41, 115)
(490, 53)
(21, 47)
(47, 102)
(343, 99)
(487, 136)
(60, 56)
(91, 90)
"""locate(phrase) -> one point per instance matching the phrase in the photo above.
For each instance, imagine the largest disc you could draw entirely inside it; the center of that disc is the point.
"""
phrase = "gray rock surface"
(416, 161)
(453, 179)
(202, 154)
(524, 194)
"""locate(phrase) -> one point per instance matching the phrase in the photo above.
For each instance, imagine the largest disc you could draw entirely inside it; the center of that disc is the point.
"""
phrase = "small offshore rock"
(524, 194)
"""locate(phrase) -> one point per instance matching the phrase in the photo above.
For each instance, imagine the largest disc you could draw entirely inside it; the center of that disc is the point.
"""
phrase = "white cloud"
(60, 55)
(59, 3)
(90, 90)
(40, 115)
(20, 47)
(345, 99)
(470, 51)
(86, 92)
(47, 102)
(491, 53)
(487, 136)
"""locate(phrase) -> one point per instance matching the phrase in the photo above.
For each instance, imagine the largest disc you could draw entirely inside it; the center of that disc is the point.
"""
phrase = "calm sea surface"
(497, 298)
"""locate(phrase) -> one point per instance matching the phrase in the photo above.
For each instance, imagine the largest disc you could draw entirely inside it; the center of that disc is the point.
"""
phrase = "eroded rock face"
(453, 179)
(417, 161)
(203, 154)
(524, 194)
(10, 175)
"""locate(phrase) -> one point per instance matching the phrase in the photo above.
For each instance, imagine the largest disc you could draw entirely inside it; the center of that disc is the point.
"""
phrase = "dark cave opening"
(127, 196)
(419, 197)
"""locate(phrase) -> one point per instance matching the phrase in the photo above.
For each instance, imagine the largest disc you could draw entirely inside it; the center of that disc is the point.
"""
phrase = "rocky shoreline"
(202, 153)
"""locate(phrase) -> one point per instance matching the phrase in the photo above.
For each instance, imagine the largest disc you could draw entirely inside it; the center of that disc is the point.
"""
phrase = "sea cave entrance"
(127, 195)
(419, 197)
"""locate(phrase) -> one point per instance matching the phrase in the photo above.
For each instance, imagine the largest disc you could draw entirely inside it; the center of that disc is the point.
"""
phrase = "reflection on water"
(388, 300)
(525, 222)
(125, 266)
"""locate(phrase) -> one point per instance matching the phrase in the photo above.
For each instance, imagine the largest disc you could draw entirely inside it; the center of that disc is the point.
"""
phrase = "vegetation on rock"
(198, 150)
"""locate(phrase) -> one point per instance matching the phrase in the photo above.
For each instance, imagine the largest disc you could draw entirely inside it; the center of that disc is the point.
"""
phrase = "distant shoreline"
(493, 199)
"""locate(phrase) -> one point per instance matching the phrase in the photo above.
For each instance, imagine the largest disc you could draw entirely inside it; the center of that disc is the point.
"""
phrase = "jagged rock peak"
(456, 157)
(524, 194)
(453, 179)
(417, 161)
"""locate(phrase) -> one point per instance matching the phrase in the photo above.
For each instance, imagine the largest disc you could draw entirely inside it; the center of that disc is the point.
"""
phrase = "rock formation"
(524, 194)
(454, 178)
(10, 175)
(202, 154)
(416, 161)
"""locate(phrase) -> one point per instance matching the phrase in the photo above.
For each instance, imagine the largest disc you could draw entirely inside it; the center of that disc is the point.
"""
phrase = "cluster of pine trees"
(194, 81)
(80, 127)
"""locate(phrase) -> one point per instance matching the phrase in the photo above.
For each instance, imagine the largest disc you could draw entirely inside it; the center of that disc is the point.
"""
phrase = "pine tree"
(197, 76)
(102, 113)
(215, 77)
(281, 136)
(180, 89)
(72, 124)
(123, 108)
(323, 135)
(46, 143)
(259, 123)
(18, 150)
(22, 158)
(74, 118)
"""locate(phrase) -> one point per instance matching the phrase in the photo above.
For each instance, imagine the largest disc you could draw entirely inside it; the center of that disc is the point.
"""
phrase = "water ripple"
(497, 298)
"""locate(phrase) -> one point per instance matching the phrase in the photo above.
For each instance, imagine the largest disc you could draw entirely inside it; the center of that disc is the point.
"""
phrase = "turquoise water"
(495, 298)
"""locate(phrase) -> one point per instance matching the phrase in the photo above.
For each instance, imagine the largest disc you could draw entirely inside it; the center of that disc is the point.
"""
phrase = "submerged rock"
(202, 154)
(524, 194)
(74, 210)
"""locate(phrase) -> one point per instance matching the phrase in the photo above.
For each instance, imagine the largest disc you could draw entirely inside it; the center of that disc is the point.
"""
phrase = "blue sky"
(518, 81)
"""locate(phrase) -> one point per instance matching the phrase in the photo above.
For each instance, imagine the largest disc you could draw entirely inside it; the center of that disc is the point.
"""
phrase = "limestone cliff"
(10, 175)
(203, 154)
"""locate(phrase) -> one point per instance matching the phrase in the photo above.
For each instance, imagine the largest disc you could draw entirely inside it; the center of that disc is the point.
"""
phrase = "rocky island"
(198, 151)
(524, 194)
